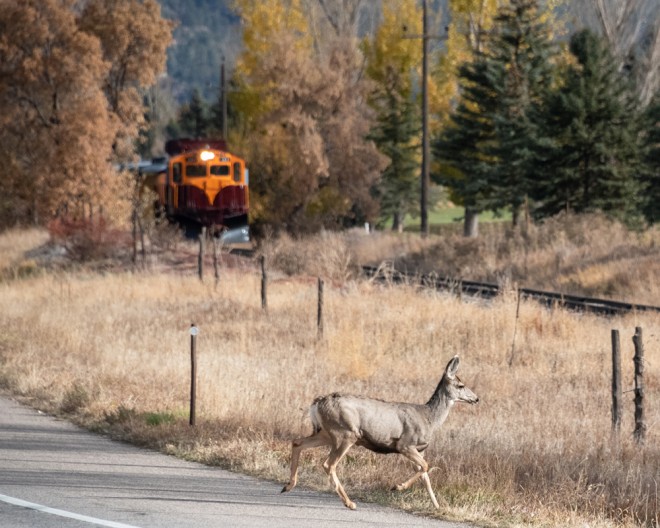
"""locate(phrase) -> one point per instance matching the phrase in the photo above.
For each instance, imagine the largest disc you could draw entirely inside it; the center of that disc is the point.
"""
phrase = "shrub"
(74, 399)
(86, 240)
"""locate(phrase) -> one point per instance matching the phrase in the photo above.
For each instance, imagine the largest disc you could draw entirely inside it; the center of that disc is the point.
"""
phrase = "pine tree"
(395, 135)
(521, 55)
(650, 176)
(591, 149)
(462, 147)
(391, 63)
(470, 23)
(193, 121)
(489, 147)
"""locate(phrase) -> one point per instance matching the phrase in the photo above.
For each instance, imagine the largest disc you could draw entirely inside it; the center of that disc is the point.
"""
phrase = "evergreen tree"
(489, 147)
(591, 152)
(395, 135)
(650, 178)
(193, 121)
(391, 65)
(467, 170)
(521, 55)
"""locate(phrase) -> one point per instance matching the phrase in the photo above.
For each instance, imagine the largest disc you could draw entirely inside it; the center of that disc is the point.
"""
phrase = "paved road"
(53, 474)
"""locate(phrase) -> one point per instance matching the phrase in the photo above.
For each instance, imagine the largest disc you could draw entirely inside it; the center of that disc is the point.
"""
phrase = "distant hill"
(207, 30)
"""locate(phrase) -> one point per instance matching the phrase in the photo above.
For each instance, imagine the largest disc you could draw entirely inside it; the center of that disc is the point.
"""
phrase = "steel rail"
(489, 290)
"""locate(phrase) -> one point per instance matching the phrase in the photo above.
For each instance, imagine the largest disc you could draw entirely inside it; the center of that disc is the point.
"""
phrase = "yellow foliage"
(393, 49)
(263, 22)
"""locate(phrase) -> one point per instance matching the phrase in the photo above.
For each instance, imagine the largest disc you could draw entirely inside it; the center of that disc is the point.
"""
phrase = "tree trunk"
(471, 223)
(397, 222)
(516, 213)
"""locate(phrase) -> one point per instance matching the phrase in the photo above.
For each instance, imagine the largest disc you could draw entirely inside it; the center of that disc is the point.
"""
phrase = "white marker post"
(193, 371)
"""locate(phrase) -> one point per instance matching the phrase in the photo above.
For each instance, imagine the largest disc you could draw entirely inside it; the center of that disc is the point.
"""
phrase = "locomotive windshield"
(220, 170)
(195, 170)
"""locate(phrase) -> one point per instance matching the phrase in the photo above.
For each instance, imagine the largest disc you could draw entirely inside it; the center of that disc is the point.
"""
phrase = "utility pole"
(426, 151)
(223, 98)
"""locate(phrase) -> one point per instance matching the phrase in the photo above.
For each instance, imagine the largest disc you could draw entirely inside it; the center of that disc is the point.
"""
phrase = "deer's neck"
(439, 405)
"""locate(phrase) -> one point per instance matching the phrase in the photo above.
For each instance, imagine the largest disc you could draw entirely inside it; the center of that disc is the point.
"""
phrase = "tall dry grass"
(15, 247)
(582, 255)
(112, 351)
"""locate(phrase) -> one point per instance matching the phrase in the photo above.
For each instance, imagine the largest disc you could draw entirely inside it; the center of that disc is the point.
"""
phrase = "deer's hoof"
(286, 488)
(351, 505)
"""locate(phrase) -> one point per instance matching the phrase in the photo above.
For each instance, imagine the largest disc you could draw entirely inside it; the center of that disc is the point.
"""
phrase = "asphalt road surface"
(53, 474)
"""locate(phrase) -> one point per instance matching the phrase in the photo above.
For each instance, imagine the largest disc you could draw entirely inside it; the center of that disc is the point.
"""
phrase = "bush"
(86, 240)
(75, 399)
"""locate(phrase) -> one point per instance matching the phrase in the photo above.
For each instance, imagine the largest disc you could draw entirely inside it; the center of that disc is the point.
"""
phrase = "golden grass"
(14, 244)
(580, 255)
(113, 351)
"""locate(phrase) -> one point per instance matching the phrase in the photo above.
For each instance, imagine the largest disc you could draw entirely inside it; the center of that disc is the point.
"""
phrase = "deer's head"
(454, 387)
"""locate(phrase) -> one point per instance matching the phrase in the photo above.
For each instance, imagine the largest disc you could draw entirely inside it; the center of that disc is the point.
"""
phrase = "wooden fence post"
(515, 329)
(319, 314)
(216, 266)
(200, 257)
(640, 424)
(617, 391)
(264, 281)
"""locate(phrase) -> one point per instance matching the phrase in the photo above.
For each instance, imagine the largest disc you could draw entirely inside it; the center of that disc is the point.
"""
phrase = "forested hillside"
(206, 31)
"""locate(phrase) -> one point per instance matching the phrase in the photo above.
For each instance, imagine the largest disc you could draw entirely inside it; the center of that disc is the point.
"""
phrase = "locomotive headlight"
(206, 155)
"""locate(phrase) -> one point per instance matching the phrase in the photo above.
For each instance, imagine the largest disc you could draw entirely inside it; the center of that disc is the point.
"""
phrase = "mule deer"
(342, 421)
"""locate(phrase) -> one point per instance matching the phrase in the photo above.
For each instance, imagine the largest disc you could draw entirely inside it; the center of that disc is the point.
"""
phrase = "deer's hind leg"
(317, 439)
(422, 471)
(339, 449)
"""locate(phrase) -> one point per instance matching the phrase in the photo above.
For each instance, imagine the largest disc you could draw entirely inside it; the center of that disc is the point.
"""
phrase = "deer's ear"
(452, 367)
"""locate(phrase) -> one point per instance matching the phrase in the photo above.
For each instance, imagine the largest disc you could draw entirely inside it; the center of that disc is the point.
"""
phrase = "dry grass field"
(112, 351)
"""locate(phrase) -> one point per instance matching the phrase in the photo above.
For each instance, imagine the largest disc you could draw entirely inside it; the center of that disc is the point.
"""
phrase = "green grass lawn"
(442, 216)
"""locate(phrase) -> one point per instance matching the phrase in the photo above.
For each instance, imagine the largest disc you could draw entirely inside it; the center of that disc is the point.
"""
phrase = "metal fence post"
(193, 371)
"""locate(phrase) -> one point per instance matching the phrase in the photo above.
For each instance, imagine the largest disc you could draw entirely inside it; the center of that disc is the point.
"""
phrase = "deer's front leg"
(417, 458)
(330, 466)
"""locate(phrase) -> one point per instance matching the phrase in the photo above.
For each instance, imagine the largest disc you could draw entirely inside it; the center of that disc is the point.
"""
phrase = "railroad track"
(489, 290)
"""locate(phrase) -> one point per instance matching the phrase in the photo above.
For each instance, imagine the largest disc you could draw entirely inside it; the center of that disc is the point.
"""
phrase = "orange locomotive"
(200, 184)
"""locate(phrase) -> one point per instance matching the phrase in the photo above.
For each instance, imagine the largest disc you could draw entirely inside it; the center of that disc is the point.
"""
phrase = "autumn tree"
(160, 111)
(304, 119)
(134, 40)
(56, 133)
(68, 102)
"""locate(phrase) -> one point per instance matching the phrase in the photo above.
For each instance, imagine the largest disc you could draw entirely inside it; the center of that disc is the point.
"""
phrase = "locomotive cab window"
(237, 172)
(220, 170)
(176, 173)
(195, 170)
